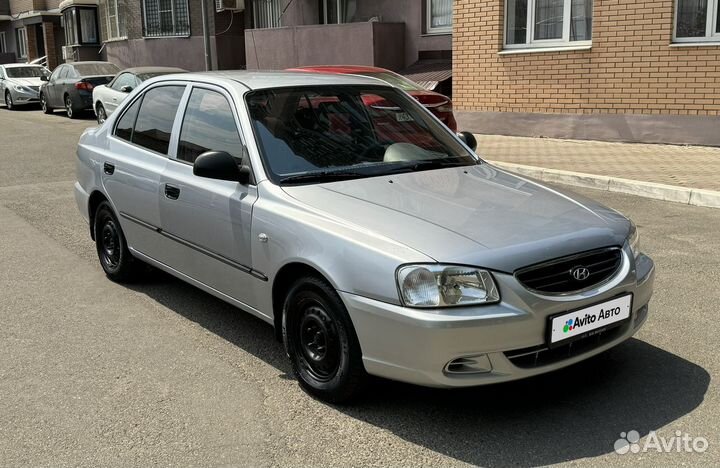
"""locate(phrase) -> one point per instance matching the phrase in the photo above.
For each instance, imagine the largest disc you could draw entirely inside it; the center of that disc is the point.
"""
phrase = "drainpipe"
(206, 35)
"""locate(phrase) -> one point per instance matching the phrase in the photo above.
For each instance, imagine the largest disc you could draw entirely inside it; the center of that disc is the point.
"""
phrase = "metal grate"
(166, 18)
(266, 14)
(556, 276)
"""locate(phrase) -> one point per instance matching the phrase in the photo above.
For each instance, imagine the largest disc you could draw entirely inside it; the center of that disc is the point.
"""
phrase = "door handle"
(172, 192)
(108, 168)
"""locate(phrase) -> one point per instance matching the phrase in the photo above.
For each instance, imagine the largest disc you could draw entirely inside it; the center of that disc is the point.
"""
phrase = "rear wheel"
(44, 104)
(115, 257)
(101, 115)
(321, 342)
(9, 101)
(71, 112)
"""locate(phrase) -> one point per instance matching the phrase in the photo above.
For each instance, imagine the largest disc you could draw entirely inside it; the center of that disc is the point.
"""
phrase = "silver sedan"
(20, 83)
(343, 213)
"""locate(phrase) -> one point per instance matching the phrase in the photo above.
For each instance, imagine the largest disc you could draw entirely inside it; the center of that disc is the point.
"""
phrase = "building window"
(439, 16)
(22, 45)
(337, 11)
(3, 44)
(166, 18)
(547, 23)
(697, 20)
(80, 25)
(266, 14)
(114, 14)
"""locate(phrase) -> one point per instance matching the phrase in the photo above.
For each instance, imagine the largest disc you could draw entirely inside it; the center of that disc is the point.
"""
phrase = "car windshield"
(26, 72)
(92, 69)
(395, 80)
(320, 133)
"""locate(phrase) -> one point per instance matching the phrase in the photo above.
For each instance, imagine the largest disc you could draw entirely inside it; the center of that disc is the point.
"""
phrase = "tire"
(321, 342)
(44, 104)
(72, 113)
(115, 257)
(9, 101)
(101, 114)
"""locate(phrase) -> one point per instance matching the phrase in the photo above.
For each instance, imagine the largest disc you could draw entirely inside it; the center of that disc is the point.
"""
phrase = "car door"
(52, 84)
(135, 160)
(113, 94)
(209, 220)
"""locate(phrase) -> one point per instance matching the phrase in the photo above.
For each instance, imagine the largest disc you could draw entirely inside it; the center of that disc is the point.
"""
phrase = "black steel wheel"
(101, 115)
(9, 101)
(44, 104)
(321, 342)
(115, 257)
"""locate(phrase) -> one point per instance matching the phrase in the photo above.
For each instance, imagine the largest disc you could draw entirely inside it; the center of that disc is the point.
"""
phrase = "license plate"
(403, 117)
(589, 320)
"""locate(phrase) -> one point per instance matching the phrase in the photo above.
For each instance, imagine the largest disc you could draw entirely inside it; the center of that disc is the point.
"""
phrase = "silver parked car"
(20, 83)
(343, 213)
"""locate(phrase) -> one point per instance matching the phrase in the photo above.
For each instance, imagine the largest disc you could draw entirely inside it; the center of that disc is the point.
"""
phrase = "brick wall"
(20, 6)
(630, 69)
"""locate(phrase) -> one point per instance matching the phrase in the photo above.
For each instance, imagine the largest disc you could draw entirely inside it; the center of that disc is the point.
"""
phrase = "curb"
(671, 193)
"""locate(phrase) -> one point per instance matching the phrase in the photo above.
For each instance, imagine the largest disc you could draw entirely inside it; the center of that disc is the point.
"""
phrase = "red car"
(436, 103)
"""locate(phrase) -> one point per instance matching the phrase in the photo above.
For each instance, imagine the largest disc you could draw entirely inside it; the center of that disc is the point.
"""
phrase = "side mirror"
(126, 88)
(44, 78)
(221, 166)
(469, 139)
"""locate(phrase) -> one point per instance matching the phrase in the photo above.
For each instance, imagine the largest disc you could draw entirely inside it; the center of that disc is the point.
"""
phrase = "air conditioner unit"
(231, 5)
(68, 53)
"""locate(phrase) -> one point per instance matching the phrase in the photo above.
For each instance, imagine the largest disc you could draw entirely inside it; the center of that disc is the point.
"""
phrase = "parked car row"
(102, 86)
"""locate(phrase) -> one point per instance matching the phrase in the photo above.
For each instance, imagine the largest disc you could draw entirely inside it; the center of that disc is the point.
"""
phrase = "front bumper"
(416, 346)
(25, 97)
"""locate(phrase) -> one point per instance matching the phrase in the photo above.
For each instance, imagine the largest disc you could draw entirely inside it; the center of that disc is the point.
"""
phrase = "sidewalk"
(691, 171)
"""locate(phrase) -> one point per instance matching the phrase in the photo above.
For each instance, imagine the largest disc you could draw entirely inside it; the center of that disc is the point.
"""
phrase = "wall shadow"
(570, 414)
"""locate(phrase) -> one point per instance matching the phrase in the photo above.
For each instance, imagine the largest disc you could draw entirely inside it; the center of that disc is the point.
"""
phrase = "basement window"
(547, 23)
(697, 21)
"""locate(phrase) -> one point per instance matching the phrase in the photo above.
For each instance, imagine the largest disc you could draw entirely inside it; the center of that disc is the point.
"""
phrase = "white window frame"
(429, 29)
(532, 43)
(22, 45)
(711, 34)
(3, 43)
(113, 20)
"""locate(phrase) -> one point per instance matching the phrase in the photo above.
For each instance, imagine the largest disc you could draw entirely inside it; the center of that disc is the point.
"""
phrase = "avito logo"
(590, 318)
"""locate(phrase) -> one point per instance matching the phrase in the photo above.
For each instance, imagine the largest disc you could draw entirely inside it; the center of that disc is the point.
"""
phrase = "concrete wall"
(187, 53)
(353, 43)
(632, 76)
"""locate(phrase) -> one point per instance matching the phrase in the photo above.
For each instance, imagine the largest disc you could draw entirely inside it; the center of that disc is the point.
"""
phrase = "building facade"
(625, 70)
(29, 30)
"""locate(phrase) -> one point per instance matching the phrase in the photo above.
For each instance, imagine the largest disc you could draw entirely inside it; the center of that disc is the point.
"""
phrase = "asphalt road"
(97, 374)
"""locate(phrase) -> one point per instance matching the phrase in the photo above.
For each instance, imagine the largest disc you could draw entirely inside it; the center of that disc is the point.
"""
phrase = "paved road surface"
(98, 374)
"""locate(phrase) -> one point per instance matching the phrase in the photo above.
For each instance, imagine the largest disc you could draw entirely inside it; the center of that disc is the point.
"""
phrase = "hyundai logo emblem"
(580, 273)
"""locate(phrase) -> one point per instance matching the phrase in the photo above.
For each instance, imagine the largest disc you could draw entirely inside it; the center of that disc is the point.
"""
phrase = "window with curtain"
(266, 14)
(22, 45)
(439, 16)
(80, 25)
(697, 20)
(547, 23)
(88, 26)
(163, 18)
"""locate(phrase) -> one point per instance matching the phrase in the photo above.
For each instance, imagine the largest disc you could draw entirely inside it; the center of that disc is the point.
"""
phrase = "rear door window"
(155, 118)
(209, 124)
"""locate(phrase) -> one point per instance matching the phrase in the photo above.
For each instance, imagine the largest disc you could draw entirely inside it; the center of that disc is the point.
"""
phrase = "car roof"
(142, 70)
(341, 69)
(255, 80)
(17, 65)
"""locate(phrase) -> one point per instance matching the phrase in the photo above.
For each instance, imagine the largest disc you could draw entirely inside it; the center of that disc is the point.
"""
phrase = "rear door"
(138, 153)
(209, 220)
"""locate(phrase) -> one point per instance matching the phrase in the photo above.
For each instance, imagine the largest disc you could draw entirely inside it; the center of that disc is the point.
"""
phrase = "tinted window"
(90, 69)
(63, 73)
(156, 116)
(208, 125)
(126, 79)
(126, 123)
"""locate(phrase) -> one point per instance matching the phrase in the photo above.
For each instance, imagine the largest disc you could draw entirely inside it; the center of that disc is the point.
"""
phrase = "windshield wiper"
(427, 164)
(323, 176)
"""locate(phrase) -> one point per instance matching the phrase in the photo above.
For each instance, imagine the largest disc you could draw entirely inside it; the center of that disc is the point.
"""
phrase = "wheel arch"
(94, 201)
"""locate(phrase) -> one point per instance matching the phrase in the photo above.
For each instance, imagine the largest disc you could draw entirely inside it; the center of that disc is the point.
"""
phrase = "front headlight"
(445, 286)
(22, 89)
(634, 240)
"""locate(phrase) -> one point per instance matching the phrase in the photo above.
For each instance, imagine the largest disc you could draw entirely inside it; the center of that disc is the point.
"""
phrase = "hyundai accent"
(345, 214)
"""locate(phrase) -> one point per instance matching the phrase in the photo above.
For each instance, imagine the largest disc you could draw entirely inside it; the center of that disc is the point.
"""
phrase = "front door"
(209, 220)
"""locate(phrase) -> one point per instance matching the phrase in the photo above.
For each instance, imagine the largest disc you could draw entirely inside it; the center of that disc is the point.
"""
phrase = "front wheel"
(9, 101)
(101, 115)
(115, 257)
(321, 342)
(44, 104)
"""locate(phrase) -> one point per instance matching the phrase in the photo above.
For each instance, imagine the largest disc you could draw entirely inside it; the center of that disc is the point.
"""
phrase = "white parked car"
(107, 97)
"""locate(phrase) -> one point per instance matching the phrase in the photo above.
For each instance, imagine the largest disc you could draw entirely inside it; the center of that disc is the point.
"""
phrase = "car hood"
(478, 215)
(26, 81)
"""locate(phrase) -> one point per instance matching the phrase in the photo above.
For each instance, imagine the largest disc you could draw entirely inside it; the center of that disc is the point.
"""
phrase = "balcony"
(368, 43)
